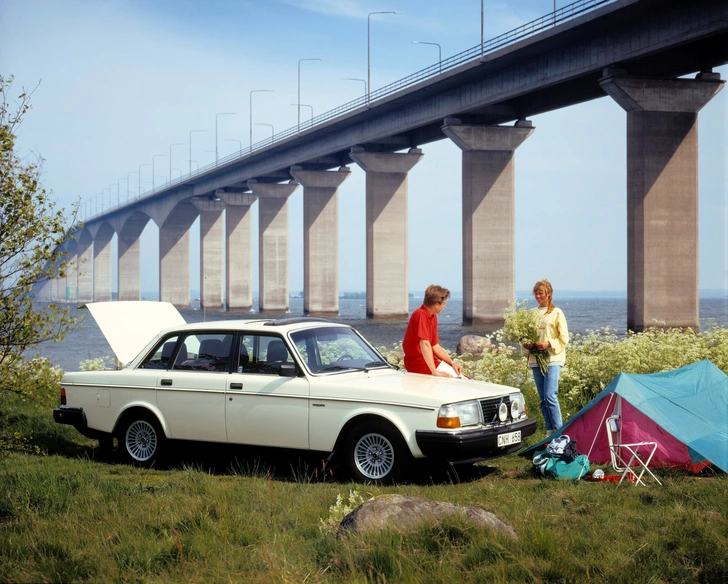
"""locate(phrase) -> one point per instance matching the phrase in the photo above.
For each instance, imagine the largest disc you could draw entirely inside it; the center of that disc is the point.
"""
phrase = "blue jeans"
(548, 391)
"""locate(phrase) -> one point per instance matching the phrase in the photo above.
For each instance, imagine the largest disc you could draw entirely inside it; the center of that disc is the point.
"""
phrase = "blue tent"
(685, 411)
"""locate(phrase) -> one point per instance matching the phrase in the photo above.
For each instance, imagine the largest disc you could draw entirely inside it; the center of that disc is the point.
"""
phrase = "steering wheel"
(346, 357)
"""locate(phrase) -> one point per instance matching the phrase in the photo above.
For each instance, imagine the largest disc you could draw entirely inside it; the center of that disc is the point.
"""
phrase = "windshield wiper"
(339, 368)
(376, 364)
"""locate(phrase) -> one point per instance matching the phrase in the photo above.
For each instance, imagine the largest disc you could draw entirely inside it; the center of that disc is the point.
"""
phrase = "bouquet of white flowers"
(521, 326)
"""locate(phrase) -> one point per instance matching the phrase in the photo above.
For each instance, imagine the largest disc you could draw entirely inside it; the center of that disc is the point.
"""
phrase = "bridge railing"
(525, 31)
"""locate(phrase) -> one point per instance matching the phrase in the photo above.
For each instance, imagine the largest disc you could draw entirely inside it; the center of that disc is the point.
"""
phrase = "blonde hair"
(545, 285)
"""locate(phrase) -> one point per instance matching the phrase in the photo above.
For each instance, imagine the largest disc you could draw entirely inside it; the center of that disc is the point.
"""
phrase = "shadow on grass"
(298, 466)
(271, 463)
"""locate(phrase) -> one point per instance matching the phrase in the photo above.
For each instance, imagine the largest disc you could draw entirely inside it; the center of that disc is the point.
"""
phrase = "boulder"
(403, 513)
(473, 344)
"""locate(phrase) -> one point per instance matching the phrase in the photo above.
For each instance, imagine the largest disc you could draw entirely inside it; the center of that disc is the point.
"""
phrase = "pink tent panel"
(636, 427)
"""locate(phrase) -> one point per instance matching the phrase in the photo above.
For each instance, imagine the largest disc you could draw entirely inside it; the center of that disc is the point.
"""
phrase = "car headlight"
(518, 405)
(459, 415)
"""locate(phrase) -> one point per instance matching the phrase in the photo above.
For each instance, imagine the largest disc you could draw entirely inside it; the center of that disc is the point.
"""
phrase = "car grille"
(490, 408)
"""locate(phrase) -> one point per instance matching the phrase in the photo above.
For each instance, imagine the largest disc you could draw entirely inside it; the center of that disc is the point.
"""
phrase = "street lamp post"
(439, 50)
(482, 29)
(216, 117)
(238, 141)
(251, 114)
(170, 157)
(305, 105)
(140, 177)
(118, 188)
(191, 132)
(154, 175)
(364, 81)
(128, 183)
(117, 193)
(299, 88)
(369, 59)
(271, 129)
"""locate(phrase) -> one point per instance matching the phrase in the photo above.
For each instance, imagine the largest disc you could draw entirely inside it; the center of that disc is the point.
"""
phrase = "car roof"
(262, 325)
(129, 326)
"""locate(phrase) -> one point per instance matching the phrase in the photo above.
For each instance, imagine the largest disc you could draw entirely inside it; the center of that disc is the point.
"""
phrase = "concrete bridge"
(636, 51)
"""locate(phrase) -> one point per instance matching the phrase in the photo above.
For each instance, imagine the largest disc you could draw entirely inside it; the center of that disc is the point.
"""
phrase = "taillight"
(63, 396)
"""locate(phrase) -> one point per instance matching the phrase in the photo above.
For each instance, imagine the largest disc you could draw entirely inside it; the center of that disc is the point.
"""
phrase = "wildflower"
(521, 326)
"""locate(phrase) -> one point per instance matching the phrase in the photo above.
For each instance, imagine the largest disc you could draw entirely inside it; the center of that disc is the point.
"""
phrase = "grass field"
(68, 514)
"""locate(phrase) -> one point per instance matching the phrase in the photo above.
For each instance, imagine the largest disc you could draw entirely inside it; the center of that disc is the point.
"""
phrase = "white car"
(298, 383)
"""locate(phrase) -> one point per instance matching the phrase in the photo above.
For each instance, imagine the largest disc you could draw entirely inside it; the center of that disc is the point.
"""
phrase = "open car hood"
(129, 325)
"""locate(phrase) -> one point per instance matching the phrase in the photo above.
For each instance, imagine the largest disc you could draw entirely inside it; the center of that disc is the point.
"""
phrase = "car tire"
(141, 440)
(376, 453)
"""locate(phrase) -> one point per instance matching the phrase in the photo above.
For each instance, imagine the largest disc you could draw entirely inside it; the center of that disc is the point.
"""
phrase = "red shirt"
(422, 325)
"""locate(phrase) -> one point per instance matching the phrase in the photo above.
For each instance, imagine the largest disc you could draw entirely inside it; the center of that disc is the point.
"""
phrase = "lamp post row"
(367, 91)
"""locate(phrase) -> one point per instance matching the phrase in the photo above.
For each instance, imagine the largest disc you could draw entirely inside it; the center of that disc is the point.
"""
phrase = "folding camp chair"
(627, 457)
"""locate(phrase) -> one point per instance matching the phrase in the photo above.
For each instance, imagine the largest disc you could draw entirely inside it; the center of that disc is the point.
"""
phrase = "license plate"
(510, 438)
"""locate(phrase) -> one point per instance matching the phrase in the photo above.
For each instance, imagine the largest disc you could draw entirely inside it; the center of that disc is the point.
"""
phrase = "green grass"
(69, 515)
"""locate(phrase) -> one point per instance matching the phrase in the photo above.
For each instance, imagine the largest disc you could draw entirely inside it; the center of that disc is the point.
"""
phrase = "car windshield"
(331, 349)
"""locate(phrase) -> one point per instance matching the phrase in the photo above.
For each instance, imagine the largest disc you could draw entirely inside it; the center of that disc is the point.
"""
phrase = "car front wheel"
(142, 440)
(376, 452)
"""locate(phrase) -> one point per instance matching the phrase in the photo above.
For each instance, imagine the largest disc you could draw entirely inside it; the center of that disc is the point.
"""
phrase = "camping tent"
(685, 411)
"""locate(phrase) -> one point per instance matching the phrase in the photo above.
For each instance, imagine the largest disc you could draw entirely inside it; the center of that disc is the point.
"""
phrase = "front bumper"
(471, 446)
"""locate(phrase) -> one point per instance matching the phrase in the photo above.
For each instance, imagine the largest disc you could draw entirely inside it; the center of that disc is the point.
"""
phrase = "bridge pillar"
(320, 238)
(174, 255)
(273, 244)
(662, 196)
(386, 229)
(71, 293)
(129, 254)
(239, 257)
(85, 267)
(489, 216)
(102, 264)
(212, 251)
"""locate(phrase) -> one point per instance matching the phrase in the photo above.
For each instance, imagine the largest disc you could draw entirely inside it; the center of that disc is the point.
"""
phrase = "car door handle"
(166, 382)
(236, 386)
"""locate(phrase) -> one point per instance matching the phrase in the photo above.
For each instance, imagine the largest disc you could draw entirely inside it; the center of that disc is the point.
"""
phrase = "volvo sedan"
(295, 383)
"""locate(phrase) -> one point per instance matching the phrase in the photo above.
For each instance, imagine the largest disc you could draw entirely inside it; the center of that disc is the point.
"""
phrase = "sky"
(120, 83)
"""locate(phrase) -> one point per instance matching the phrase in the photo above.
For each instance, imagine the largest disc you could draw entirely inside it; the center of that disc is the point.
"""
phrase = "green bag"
(553, 466)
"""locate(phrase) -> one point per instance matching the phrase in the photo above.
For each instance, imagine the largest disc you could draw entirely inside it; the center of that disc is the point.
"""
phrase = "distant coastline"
(520, 294)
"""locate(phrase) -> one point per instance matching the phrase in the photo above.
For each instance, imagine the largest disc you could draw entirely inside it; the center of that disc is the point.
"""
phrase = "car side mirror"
(288, 370)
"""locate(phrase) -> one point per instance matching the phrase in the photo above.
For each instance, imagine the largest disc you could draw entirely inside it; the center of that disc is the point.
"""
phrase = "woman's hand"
(528, 346)
(543, 345)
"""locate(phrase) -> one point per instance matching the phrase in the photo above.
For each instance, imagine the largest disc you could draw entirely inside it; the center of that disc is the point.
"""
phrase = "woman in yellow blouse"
(553, 337)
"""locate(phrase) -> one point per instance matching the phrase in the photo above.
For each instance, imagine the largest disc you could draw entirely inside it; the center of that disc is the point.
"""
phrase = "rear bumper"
(75, 417)
(471, 446)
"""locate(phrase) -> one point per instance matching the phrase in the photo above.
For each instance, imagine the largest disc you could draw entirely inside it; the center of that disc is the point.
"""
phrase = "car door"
(191, 391)
(262, 407)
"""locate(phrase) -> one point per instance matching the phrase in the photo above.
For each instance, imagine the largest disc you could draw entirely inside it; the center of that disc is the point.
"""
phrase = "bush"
(594, 359)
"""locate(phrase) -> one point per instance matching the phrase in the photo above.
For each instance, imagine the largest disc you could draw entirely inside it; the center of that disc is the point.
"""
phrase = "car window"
(204, 352)
(161, 356)
(262, 354)
(331, 349)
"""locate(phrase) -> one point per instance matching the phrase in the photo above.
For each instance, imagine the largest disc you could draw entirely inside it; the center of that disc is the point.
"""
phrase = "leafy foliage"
(339, 510)
(32, 232)
(594, 359)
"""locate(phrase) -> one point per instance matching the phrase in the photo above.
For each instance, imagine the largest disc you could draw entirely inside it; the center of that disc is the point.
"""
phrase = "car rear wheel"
(376, 452)
(142, 440)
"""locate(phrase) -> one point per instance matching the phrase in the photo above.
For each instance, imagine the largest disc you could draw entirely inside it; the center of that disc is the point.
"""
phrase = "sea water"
(85, 340)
